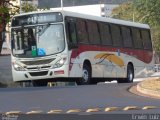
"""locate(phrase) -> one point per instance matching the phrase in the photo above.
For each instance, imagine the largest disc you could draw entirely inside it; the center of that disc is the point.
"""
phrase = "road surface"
(69, 97)
(73, 97)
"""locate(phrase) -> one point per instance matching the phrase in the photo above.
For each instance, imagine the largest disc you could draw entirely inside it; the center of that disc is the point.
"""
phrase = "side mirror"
(3, 36)
(12, 44)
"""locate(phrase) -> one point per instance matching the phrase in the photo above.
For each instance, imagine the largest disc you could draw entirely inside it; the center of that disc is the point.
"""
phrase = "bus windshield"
(37, 41)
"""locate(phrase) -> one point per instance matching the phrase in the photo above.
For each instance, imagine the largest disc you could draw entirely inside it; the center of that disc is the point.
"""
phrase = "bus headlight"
(17, 67)
(60, 63)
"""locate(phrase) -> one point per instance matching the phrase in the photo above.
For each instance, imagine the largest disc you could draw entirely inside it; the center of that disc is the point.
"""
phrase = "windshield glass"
(38, 41)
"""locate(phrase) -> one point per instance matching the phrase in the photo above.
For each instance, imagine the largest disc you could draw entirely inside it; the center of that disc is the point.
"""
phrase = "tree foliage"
(148, 11)
(5, 15)
(124, 11)
(7, 10)
(143, 11)
(27, 7)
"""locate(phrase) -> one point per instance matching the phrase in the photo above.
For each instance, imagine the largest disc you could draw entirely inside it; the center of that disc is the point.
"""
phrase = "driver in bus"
(31, 38)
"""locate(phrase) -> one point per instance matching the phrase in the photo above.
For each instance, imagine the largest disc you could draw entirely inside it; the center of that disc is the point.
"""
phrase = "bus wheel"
(86, 76)
(130, 75)
(25, 84)
(39, 83)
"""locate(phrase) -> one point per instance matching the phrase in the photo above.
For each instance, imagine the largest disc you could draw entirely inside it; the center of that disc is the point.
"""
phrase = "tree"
(124, 11)
(7, 10)
(5, 14)
(4, 18)
(148, 11)
(143, 11)
(27, 7)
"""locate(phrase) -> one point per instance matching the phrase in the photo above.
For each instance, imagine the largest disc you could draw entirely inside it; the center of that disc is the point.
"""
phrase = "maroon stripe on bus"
(142, 55)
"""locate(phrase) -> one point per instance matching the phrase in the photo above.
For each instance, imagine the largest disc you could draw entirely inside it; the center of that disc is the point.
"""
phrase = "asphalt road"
(75, 97)
(70, 97)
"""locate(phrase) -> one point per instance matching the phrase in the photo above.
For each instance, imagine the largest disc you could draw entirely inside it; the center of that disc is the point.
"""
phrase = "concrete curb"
(146, 91)
(5, 54)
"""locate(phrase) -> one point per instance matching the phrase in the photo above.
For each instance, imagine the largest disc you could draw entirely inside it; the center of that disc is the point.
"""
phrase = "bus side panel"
(77, 61)
(102, 66)
(109, 64)
(149, 66)
(144, 64)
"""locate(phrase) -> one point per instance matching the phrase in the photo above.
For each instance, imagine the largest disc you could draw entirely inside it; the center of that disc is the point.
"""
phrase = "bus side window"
(116, 35)
(71, 33)
(127, 39)
(93, 33)
(82, 31)
(137, 40)
(146, 39)
(105, 34)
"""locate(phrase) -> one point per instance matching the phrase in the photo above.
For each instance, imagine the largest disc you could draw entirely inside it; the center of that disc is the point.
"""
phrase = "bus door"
(71, 33)
(72, 42)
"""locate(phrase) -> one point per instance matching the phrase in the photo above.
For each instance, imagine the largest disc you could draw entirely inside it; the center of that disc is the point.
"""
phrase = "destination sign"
(38, 18)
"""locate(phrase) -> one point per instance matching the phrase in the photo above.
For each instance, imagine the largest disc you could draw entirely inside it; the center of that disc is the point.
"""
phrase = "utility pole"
(133, 17)
(20, 6)
(62, 4)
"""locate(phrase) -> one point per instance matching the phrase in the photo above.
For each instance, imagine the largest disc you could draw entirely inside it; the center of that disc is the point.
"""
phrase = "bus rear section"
(108, 49)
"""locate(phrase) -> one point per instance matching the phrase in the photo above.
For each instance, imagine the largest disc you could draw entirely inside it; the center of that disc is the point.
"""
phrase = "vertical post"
(20, 6)
(133, 14)
(62, 4)
(100, 8)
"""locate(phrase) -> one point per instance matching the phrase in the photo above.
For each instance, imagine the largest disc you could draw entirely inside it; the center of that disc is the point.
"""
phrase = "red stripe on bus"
(142, 55)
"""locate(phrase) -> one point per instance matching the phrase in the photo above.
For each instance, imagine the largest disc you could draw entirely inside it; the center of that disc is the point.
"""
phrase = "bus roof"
(91, 17)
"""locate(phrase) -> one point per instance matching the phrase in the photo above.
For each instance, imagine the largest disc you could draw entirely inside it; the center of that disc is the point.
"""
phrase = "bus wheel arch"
(86, 74)
(130, 74)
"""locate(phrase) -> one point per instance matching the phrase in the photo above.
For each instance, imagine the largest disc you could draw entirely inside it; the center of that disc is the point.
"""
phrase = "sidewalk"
(5, 52)
(5, 70)
(150, 87)
(5, 49)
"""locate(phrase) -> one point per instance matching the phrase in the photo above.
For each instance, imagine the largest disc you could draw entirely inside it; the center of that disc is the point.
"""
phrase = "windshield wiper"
(42, 29)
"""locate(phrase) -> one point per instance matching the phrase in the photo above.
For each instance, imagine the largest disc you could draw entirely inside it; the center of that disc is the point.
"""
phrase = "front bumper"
(61, 72)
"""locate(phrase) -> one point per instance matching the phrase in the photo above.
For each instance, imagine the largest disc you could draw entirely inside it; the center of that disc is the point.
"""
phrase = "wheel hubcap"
(130, 76)
(85, 75)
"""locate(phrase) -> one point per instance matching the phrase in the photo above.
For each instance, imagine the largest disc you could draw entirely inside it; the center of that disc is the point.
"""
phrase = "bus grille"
(43, 73)
(38, 62)
(38, 68)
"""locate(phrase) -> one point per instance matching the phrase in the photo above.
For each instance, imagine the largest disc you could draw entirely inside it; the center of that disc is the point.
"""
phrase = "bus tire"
(130, 75)
(39, 83)
(86, 76)
(25, 84)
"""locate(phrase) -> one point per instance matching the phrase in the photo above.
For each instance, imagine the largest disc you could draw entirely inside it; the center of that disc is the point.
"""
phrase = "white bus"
(66, 46)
